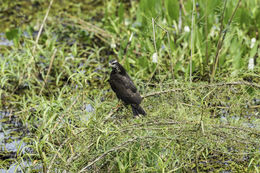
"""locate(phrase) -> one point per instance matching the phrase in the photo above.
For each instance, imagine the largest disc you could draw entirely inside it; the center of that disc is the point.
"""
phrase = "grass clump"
(201, 127)
(57, 87)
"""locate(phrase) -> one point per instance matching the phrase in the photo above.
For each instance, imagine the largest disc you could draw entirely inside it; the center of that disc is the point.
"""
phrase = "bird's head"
(116, 66)
(113, 63)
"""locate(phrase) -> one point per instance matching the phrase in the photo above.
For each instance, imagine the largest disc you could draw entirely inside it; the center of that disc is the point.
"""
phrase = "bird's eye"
(114, 62)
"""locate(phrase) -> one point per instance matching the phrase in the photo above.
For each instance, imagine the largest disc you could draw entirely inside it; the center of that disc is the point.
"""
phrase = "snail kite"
(124, 88)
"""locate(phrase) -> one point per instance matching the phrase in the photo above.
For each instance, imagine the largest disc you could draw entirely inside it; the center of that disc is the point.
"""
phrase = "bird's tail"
(137, 109)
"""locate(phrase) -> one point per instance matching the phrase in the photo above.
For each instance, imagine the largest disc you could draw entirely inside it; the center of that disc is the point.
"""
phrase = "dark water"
(4, 41)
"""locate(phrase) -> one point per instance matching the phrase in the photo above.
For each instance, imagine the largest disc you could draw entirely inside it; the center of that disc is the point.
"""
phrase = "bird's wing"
(125, 89)
(129, 83)
(132, 97)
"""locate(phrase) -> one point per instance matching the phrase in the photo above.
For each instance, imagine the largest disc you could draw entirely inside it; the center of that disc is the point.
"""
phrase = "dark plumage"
(124, 88)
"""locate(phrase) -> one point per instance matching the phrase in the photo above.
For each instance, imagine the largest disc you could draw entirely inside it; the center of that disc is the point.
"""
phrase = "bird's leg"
(126, 105)
(114, 110)
(118, 105)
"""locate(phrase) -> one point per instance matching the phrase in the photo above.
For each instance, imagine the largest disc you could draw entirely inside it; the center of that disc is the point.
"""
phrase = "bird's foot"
(117, 106)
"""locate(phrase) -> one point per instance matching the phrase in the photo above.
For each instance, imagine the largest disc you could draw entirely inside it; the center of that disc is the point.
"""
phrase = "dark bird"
(124, 88)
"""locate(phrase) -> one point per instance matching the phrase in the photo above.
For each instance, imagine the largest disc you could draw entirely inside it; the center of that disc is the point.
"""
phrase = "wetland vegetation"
(196, 64)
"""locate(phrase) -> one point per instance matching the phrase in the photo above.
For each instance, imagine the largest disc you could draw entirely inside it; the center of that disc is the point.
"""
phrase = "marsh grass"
(58, 88)
(200, 127)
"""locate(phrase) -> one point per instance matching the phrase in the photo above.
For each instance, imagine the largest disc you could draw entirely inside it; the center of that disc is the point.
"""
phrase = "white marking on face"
(113, 64)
